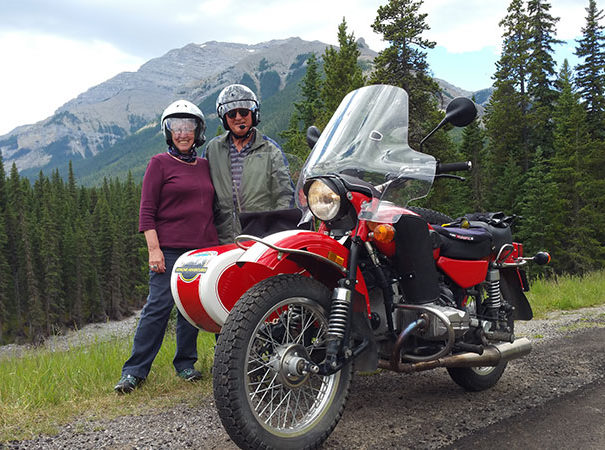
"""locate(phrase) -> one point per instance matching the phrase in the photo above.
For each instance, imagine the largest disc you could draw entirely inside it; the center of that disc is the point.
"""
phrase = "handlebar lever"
(449, 175)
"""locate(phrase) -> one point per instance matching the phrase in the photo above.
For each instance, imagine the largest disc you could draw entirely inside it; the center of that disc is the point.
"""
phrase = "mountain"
(113, 127)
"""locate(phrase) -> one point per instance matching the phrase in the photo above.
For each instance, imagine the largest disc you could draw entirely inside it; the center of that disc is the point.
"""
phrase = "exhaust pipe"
(492, 356)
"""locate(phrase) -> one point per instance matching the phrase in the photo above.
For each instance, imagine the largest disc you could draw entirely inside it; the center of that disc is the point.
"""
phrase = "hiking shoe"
(189, 375)
(127, 384)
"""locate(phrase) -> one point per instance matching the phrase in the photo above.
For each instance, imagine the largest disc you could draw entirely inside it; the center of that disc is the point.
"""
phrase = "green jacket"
(266, 183)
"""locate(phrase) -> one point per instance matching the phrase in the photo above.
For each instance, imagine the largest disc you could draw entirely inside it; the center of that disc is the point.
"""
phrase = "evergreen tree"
(133, 241)
(4, 278)
(403, 63)
(590, 77)
(46, 242)
(310, 88)
(306, 113)
(472, 148)
(343, 73)
(542, 72)
(30, 280)
(506, 115)
(572, 141)
(5, 273)
(537, 205)
(104, 233)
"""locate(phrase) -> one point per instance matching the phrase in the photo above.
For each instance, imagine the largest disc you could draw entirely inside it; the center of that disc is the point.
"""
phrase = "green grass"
(567, 293)
(42, 390)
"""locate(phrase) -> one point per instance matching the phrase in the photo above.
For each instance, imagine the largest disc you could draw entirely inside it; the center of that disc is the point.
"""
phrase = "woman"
(175, 216)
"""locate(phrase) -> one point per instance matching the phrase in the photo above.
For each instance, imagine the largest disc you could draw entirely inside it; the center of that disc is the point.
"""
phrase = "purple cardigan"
(176, 201)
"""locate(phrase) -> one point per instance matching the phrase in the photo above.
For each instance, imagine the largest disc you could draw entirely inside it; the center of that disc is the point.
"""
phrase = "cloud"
(46, 71)
(58, 49)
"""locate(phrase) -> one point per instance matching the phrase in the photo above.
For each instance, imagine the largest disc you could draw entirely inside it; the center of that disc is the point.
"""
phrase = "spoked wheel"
(266, 386)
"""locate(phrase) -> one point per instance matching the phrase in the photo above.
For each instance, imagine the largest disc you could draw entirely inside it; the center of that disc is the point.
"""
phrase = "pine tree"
(571, 142)
(542, 72)
(312, 105)
(506, 115)
(590, 77)
(46, 243)
(342, 72)
(5, 273)
(28, 277)
(403, 63)
(133, 242)
(537, 205)
(306, 113)
(472, 148)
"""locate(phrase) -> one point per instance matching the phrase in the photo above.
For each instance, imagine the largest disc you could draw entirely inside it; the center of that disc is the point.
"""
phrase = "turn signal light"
(541, 258)
(384, 233)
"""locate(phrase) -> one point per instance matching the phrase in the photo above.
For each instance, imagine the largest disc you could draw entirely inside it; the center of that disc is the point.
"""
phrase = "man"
(249, 171)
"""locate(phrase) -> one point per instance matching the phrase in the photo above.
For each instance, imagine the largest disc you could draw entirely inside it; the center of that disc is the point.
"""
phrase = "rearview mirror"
(460, 112)
(312, 136)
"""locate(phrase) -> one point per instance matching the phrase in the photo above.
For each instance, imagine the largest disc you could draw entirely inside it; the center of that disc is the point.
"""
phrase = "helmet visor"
(180, 125)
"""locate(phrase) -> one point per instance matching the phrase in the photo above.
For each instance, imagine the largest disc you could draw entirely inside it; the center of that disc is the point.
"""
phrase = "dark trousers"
(152, 326)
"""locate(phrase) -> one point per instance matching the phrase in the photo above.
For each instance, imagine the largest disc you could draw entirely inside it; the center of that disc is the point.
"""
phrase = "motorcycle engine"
(458, 319)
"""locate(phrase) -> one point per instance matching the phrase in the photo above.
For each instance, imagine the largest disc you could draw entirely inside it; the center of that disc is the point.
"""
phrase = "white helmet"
(237, 96)
(184, 109)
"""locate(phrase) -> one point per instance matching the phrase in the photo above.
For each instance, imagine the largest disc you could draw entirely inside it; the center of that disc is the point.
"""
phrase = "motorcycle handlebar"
(454, 167)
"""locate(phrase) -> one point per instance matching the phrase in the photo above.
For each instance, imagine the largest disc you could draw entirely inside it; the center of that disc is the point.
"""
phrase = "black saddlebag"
(465, 243)
(497, 224)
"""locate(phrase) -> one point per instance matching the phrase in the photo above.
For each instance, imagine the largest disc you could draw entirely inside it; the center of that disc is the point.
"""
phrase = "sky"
(54, 50)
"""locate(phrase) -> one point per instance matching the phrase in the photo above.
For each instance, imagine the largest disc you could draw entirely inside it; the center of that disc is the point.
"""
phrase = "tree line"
(72, 255)
(537, 153)
(69, 255)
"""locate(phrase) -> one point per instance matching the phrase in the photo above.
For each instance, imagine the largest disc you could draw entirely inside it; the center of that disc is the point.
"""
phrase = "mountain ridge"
(111, 113)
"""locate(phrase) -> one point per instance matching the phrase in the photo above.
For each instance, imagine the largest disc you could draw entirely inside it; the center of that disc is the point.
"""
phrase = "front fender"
(312, 242)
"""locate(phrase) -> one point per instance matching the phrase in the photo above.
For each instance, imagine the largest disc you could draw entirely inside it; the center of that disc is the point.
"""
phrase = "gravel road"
(388, 410)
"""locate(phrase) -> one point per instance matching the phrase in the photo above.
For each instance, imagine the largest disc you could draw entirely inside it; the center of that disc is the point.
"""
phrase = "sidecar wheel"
(264, 397)
(477, 378)
(430, 215)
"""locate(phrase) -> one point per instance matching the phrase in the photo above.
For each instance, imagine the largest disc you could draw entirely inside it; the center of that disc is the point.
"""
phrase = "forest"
(71, 255)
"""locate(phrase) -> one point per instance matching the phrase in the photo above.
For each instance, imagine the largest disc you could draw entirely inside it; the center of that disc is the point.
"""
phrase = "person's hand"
(156, 261)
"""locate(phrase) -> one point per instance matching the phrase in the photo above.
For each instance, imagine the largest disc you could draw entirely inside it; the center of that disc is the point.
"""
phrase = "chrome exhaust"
(491, 356)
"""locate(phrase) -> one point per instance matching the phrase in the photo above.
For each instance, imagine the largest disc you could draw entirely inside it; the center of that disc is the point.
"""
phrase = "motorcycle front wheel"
(265, 388)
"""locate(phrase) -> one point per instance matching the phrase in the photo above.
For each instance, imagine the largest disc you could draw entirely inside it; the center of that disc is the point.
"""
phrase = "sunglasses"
(242, 112)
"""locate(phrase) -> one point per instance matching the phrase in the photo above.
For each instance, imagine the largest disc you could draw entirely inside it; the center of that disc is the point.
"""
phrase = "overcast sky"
(54, 50)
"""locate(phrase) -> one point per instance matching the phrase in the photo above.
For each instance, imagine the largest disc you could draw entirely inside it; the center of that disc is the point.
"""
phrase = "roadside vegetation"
(42, 390)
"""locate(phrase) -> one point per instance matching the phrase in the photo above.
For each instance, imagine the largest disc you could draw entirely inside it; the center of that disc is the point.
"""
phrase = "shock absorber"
(341, 305)
(338, 321)
(339, 314)
(493, 301)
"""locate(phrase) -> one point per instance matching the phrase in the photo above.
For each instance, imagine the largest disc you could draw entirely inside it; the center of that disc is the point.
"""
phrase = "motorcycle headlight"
(323, 201)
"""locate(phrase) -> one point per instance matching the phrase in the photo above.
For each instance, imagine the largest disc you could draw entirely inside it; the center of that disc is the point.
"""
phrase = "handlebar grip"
(454, 167)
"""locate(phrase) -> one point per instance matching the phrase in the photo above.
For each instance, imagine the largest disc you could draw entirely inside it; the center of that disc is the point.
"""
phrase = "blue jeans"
(152, 326)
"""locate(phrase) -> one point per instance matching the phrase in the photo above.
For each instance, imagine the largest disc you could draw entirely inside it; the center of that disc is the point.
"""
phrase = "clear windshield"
(367, 137)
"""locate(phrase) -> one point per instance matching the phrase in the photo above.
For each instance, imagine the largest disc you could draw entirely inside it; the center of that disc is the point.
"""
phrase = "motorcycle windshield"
(367, 137)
